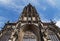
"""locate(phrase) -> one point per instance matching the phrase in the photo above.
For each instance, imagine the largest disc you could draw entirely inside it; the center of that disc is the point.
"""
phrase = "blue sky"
(47, 9)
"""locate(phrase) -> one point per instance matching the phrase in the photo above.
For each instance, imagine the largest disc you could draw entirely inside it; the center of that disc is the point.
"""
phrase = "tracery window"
(52, 36)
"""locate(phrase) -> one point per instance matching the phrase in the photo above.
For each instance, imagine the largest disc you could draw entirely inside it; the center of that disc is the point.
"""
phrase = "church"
(29, 27)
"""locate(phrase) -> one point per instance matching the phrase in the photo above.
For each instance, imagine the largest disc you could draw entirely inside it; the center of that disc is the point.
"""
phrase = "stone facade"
(29, 27)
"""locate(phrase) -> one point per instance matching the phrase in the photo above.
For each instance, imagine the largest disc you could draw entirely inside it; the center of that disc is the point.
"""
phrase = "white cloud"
(3, 19)
(14, 5)
(51, 2)
(58, 24)
(5, 1)
(44, 7)
(1, 25)
(34, 2)
(11, 4)
(54, 3)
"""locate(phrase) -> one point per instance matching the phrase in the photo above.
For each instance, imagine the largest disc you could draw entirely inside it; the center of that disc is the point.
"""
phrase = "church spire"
(30, 13)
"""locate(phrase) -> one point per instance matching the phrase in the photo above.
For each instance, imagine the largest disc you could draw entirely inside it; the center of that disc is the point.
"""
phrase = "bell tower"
(29, 27)
(29, 21)
(29, 15)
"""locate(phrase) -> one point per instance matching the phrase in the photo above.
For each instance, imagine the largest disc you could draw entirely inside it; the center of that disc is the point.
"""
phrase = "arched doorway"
(29, 28)
(29, 36)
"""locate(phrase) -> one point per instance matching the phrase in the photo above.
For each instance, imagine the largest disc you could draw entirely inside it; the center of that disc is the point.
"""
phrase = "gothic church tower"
(29, 27)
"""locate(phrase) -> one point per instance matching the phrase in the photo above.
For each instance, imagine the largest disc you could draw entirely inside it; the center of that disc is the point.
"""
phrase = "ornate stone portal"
(29, 27)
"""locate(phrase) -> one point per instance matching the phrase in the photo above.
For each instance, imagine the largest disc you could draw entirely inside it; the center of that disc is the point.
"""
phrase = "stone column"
(20, 35)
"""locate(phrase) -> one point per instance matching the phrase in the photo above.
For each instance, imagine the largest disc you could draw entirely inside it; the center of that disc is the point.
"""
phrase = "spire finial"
(29, 4)
(7, 22)
(52, 21)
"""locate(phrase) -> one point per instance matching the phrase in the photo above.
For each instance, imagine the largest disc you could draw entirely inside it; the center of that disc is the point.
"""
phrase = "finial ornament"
(7, 22)
(52, 22)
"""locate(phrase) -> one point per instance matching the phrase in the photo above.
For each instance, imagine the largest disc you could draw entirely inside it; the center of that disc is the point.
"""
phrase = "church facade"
(29, 27)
